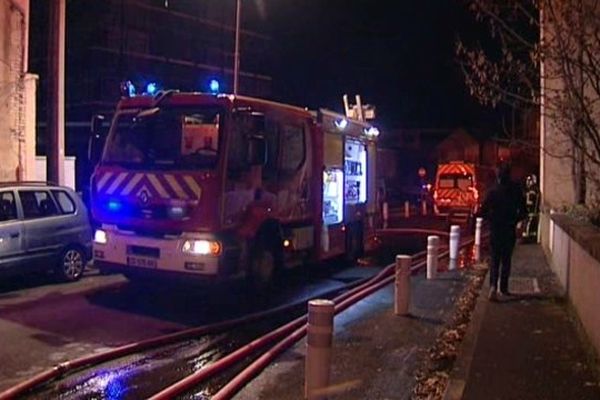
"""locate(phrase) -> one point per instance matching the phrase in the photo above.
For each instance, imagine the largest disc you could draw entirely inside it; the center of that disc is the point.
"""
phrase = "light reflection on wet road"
(142, 375)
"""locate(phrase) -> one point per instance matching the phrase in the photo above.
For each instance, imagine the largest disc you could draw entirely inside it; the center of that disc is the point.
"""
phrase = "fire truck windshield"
(166, 138)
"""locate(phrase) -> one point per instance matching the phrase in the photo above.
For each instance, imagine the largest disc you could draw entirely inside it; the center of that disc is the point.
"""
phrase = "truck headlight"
(100, 237)
(202, 247)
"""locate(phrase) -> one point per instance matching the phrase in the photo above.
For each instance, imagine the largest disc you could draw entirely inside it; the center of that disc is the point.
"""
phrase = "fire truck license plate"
(141, 262)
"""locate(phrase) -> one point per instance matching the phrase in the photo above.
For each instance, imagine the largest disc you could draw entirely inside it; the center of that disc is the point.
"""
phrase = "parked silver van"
(43, 227)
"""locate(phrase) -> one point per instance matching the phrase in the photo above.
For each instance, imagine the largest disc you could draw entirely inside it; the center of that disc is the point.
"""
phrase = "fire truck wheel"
(354, 244)
(262, 268)
(71, 264)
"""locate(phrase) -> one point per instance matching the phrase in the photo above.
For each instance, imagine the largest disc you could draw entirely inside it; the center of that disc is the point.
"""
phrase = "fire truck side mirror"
(96, 139)
(96, 124)
(257, 151)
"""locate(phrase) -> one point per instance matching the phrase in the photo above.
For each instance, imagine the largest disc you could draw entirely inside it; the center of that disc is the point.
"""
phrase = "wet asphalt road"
(50, 323)
(43, 322)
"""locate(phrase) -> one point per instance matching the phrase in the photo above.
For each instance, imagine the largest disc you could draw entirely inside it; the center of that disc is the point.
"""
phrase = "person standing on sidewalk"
(503, 207)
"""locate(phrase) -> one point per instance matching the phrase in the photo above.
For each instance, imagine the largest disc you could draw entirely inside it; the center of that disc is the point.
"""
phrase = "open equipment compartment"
(355, 163)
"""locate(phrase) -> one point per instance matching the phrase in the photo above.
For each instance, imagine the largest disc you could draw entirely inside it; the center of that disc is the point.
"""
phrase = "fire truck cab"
(213, 187)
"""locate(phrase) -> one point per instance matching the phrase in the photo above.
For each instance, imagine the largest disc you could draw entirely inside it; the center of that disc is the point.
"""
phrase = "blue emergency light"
(151, 88)
(114, 205)
(214, 86)
(127, 89)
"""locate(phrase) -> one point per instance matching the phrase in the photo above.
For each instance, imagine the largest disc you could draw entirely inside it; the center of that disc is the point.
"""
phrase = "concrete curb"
(462, 365)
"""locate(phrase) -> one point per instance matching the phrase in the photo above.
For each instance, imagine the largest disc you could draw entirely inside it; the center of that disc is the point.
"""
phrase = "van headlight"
(100, 237)
(202, 247)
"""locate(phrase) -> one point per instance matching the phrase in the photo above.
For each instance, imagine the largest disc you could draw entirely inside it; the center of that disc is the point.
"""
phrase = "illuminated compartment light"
(341, 123)
(371, 132)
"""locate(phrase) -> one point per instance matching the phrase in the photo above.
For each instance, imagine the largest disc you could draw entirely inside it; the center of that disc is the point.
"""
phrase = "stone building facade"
(17, 94)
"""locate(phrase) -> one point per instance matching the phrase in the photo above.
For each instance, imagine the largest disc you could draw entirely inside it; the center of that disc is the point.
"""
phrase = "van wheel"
(71, 264)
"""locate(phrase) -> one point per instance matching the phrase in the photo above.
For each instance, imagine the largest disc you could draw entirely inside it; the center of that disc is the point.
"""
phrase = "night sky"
(398, 54)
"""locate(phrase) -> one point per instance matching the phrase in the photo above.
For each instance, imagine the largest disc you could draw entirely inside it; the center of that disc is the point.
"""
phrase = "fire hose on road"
(294, 331)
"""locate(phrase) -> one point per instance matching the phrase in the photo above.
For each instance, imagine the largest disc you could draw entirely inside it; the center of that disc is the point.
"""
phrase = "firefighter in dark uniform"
(503, 208)
(532, 202)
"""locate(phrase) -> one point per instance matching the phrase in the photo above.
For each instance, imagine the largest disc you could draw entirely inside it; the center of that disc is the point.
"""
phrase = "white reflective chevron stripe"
(158, 186)
(131, 185)
(116, 183)
(193, 185)
(103, 180)
(176, 187)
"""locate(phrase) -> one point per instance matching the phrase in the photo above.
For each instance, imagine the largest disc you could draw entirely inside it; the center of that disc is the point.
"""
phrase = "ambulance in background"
(456, 191)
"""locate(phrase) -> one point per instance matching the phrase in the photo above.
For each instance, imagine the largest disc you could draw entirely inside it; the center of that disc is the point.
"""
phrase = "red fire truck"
(217, 187)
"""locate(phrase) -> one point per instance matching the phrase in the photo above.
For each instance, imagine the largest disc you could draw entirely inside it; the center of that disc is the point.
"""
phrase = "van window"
(464, 182)
(37, 204)
(455, 181)
(65, 202)
(8, 206)
(446, 182)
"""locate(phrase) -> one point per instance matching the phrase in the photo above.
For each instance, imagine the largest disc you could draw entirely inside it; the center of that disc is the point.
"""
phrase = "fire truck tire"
(265, 255)
(354, 242)
(262, 269)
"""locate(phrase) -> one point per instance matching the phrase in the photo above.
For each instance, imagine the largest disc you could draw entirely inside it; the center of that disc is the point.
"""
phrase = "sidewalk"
(525, 347)
(375, 353)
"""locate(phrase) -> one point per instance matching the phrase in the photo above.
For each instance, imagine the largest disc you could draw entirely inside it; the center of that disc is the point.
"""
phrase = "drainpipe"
(56, 93)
